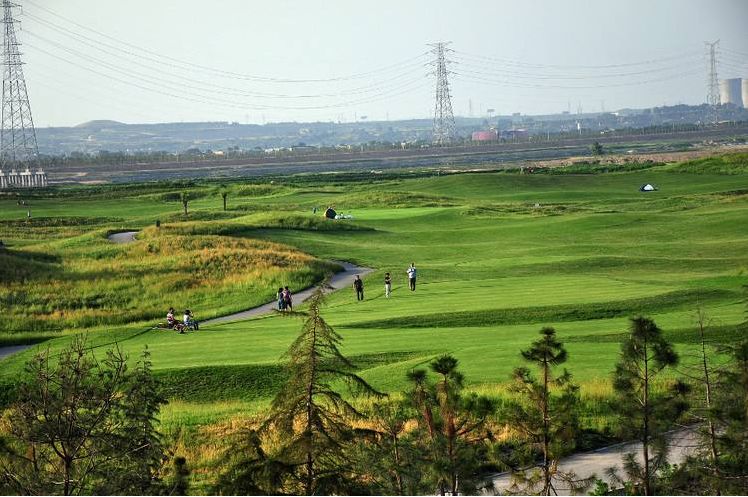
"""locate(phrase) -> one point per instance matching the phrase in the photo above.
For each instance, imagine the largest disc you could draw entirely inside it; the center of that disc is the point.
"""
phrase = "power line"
(201, 86)
(516, 63)
(231, 104)
(228, 74)
(409, 66)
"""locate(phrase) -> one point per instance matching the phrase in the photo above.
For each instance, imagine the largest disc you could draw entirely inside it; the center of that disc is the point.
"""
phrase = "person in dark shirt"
(387, 285)
(358, 284)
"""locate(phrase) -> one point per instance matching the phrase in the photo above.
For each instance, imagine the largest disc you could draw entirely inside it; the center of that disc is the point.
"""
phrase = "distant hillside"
(100, 123)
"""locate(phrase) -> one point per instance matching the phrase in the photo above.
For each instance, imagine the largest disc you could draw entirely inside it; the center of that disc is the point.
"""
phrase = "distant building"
(485, 136)
(730, 92)
(515, 134)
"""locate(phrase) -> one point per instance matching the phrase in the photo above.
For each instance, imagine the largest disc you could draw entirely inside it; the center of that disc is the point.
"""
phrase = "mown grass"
(493, 269)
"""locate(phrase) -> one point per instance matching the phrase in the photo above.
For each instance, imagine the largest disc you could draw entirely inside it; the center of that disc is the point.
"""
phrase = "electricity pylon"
(444, 119)
(18, 136)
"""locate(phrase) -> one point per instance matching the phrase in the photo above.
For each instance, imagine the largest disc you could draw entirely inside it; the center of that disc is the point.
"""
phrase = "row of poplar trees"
(82, 427)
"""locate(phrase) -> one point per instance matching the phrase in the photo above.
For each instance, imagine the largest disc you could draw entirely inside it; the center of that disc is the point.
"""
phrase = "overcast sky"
(252, 61)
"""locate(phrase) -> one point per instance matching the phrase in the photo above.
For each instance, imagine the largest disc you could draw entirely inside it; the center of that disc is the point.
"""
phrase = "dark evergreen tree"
(310, 423)
(389, 461)
(452, 428)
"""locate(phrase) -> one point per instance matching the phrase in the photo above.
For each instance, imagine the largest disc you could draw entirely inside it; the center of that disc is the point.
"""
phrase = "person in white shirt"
(189, 320)
(412, 276)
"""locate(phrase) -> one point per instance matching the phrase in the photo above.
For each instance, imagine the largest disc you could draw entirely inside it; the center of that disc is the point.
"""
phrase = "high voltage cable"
(228, 74)
(208, 87)
(495, 82)
(477, 68)
(233, 104)
(516, 63)
(96, 45)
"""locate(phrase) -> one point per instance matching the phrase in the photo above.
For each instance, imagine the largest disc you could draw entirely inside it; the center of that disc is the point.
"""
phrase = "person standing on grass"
(412, 276)
(281, 300)
(358, 284)
(387, 285)
(287, 299)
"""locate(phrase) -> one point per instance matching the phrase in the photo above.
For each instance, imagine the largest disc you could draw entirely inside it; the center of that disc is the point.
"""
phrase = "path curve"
(340, 280)
(682, 442)
(123, 237)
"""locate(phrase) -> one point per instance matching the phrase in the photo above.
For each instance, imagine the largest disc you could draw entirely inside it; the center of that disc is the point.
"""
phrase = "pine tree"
(389, 461)
(453, 426)
(309, 421)
(83, 426)
(547, 420)
(645, 409)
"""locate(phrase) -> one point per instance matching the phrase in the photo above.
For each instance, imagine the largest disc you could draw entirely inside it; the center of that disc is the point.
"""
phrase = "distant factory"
(734, 91)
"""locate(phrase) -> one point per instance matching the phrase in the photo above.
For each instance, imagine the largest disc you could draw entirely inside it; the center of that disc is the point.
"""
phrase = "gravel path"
(682, 443)
(124, 237)
(340, 280)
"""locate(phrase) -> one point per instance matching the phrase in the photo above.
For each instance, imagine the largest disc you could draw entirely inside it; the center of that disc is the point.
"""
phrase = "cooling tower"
(729, 92)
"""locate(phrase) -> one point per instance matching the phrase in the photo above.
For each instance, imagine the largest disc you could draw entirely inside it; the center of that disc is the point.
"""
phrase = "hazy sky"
(257, 61)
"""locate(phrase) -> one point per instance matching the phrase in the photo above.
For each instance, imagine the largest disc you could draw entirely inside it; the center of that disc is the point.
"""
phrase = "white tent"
(647, 188)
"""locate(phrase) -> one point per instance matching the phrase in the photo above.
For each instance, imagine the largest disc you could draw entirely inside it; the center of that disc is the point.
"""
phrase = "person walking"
(281, 300)
(358, 284)
(387, 285)
(412, 276)
(287, 298)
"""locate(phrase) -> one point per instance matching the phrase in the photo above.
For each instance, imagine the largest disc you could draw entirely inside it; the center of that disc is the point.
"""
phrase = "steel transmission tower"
(18, 136)
(712, 96)
(444, 119)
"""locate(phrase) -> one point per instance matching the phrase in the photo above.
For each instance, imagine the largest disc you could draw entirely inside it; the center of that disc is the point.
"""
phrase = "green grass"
(499, 255)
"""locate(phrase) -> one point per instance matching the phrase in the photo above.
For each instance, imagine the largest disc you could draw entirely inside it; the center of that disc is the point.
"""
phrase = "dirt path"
(341, 280)
(124, 237)
(682, 443)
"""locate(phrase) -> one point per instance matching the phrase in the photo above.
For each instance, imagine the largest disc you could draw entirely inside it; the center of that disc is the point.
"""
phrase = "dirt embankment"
(659, 157)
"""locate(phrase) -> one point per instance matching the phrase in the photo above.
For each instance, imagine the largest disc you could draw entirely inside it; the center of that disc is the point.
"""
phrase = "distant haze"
(234, 60)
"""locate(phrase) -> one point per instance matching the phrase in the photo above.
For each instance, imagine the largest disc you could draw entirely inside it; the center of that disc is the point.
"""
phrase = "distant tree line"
(84, 426)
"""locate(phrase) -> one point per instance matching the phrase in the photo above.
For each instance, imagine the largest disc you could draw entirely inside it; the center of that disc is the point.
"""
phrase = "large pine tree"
(310, 423)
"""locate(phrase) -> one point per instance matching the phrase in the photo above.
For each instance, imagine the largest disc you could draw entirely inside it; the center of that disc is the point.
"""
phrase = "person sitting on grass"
(189, 320)
(172, 323)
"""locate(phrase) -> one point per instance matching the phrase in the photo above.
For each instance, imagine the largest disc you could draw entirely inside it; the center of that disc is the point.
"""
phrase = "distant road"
(491, 154)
